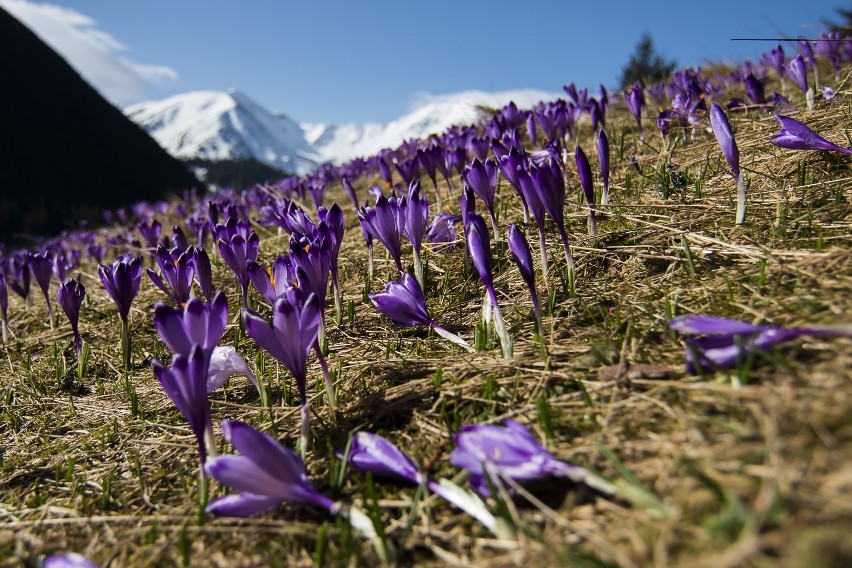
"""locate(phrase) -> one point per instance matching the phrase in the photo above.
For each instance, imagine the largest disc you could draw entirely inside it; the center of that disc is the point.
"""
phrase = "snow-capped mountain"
(218, 125)
(228, 125)
(428, 115)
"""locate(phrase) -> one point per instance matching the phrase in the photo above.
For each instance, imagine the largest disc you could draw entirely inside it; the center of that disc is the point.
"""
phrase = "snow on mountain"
(218, 125)
(430, 114)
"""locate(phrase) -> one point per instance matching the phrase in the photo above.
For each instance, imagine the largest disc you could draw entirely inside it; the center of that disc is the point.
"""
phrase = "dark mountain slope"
(65, 152)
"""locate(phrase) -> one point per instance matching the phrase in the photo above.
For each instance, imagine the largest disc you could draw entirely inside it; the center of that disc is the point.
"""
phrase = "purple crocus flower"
(482, 179)
(520, 250)
(386, 223)
(602, 145)
(236, 252)
(203, 271)
(377, 455)
(404, 304)
(121, 281)
(70, 297)
(776, 59)
(4, 308)
(331, 226)
(532, 129)
(416, 213)
(185, 381)
(41, 267)
(724, 343)
(385, 172)
(273, 282)
(150, 231)
(635, 99)
(509, 164)
(798, 72)
(68, 560)
(196, 325)
(176, 280)
(479, 249)
(442, 228)
(19, 275)
(266, 474)
(538, 213)
(507, 452)
(725, 137)
(796, 136)
(550, 188)
(350, 192)
(179, 238)
(754, 89)
(584, 170)
(289, 339)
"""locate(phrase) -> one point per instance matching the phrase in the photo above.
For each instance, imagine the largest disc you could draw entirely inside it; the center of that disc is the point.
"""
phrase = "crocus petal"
(242, 505)
(725, 138)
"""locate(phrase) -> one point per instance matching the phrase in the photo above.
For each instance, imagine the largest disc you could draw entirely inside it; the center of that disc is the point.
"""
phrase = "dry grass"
(757, 475)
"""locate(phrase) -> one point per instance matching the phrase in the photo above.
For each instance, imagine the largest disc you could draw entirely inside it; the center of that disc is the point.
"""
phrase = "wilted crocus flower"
(798, 72)
(585, 172)
(70, 297)
(185, 381)
(479, 249)
(198, 324)
(267, 474)
(725, 138)
(225, 363)
(41, 267)
(377, 455)
(511, 452)
(386, 223)
(236, 252)
(602, 145)
(68, 560)
(635, 99)
(520, 250)
(289, 339)
(724, 343)
(4, 308)
(482, 179)
(176, 280)
(796, 136)
(404, 304)
(121, 281)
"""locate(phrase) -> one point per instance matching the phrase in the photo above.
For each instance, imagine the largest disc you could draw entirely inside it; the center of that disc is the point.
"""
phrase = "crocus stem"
(494, 226)
(321, 334)
(502, 333)
(593, 222)
(125, 344)
(741, 200)
(466, 501)
(526, 215)
(418, 269)
(329, 385)
(370, 263)
(305, 429)
(568, 257)
(5, 331)
(539, 324)
(49, 312)
(203, 492)
(449, 187)
(449, 336)
(338, 306)
(543, 246)
(437, 195)
(605, 196)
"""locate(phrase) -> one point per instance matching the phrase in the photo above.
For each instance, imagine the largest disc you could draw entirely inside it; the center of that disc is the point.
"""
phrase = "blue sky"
(348, 61)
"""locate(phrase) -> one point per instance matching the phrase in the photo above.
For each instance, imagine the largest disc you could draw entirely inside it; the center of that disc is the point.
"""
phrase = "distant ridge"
(65, 152)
